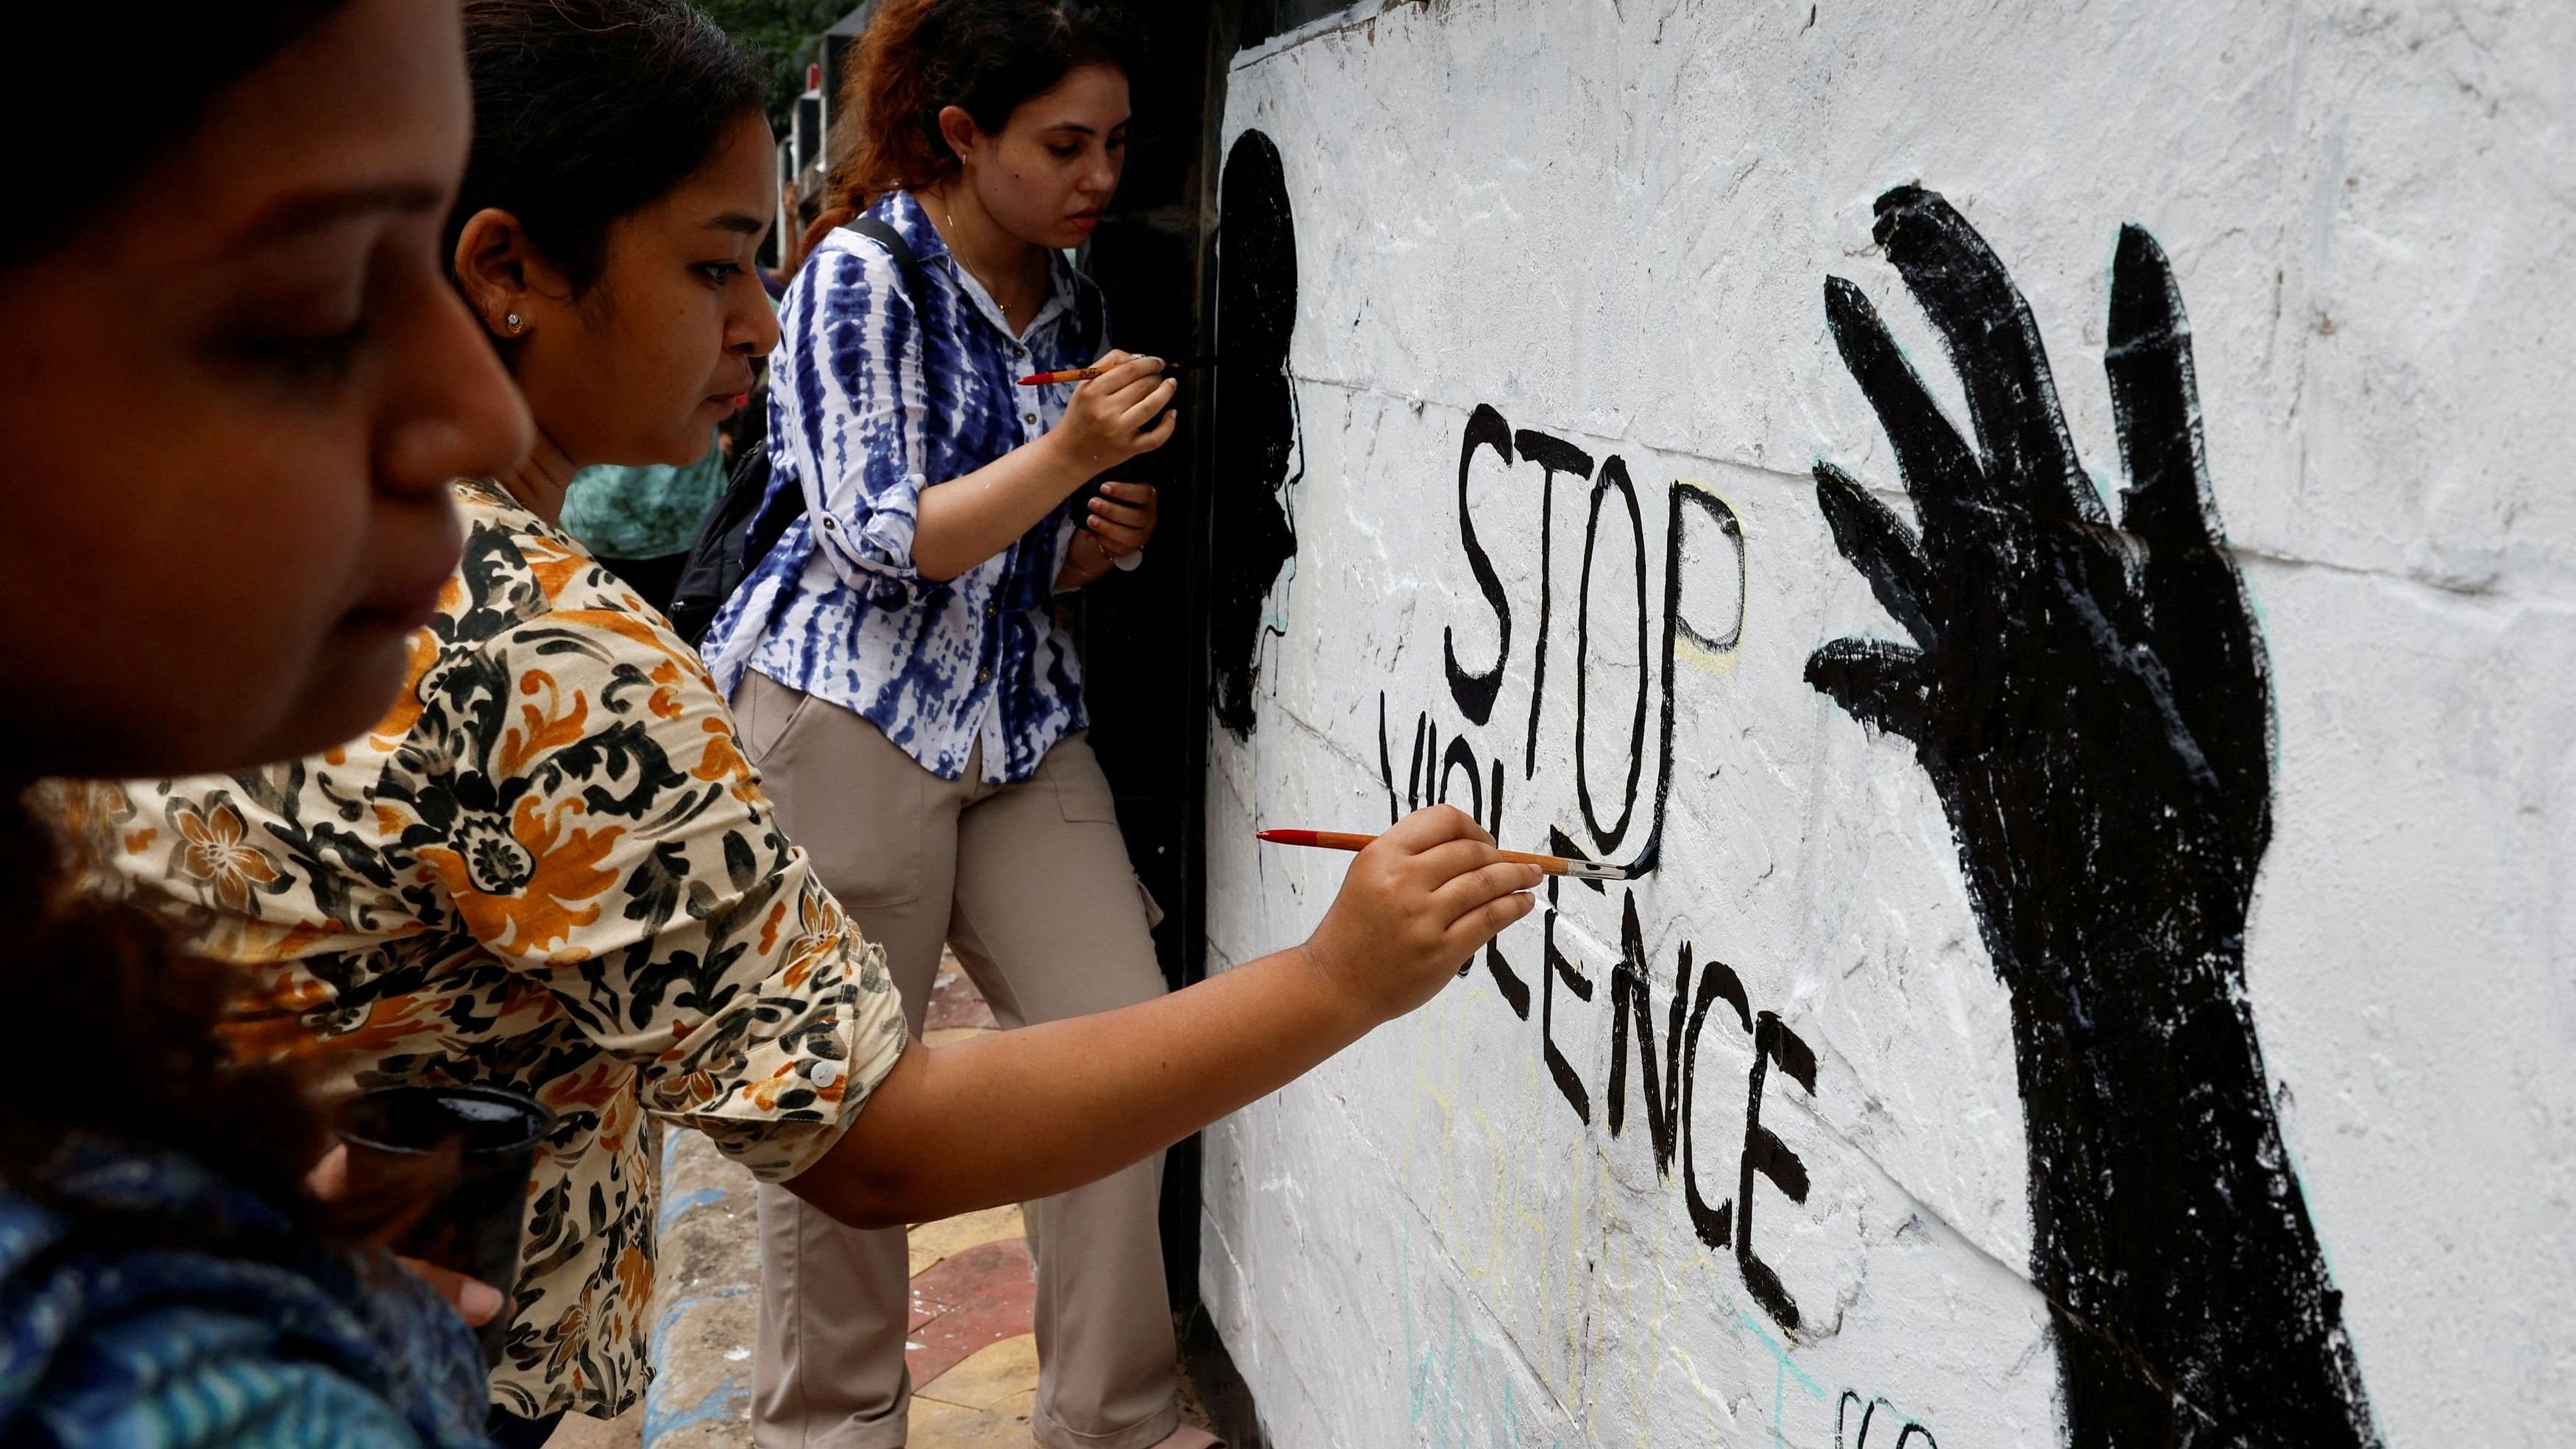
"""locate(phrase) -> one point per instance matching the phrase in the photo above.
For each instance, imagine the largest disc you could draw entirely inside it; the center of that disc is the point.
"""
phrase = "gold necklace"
(948, 213)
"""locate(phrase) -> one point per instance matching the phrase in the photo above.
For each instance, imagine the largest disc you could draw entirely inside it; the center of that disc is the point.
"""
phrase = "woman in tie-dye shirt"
(901, 673)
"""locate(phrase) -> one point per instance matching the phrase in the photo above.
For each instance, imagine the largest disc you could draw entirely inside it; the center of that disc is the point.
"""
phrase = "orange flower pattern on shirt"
(211, 851)
(548, 868)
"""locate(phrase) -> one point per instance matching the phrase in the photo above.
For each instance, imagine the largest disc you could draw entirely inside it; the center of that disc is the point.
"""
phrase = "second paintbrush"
(1086, 374)
(1552, 864)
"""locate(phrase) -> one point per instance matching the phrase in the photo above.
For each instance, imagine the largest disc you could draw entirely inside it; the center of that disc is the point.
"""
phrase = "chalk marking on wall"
(1603, 1199)
(1422, 1365)
(1638, 1361)
(1498, 1192)
(1693, 1266)
(679, 1205)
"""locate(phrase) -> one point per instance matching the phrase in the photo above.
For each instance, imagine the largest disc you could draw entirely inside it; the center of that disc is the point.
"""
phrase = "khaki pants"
(1030, 884)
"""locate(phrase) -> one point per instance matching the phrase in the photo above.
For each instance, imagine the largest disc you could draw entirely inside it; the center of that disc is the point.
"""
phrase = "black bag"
(747, 522)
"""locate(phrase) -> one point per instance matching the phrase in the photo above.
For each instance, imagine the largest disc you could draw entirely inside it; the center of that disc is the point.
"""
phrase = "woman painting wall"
(902, 680)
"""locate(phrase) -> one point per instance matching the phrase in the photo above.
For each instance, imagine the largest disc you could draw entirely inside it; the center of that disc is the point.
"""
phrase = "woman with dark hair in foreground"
(237, 383)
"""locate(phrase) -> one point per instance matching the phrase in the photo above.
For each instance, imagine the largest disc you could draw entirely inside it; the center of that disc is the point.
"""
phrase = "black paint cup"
(490, 1137)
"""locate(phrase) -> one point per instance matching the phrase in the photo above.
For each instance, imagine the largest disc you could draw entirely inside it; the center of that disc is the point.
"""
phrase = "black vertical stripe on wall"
(1256, 418)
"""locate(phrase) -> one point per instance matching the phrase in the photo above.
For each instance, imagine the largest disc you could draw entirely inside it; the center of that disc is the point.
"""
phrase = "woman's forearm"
(1025, 1114)
(1108, 419)
(1030, 1113)
(968, 519)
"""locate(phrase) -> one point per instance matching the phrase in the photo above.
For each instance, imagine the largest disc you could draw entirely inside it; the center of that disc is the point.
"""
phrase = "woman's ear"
(501, 276)
(958, 129)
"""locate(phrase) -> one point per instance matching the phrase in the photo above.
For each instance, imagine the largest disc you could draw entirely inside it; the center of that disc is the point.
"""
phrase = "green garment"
(651, 511)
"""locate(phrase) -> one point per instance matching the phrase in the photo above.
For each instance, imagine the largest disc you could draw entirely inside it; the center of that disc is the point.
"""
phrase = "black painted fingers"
(2155, 399)
(1877, 543)
(1884, 686)
(1994, 343)
(1940, 470)
(2195, 604)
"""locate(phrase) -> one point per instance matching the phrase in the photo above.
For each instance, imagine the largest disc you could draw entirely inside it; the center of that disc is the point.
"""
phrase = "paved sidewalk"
(972, 1354)
(973, 1350)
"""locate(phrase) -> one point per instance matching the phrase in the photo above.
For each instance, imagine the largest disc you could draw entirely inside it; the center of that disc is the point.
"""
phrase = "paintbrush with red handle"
(1552, 864)
(1086, 374)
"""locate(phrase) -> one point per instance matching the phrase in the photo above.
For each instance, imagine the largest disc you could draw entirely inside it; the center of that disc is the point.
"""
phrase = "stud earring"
(514, 324)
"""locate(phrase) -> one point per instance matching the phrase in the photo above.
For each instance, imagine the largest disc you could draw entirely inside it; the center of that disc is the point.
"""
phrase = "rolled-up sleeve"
(853, 412)
(611, 842)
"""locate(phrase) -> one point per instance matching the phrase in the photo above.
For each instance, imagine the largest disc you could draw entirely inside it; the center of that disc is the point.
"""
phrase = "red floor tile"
(966, 1301)
(954, 1002)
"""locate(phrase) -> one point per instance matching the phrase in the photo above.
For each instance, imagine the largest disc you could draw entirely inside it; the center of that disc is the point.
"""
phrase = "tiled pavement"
(971, 1351)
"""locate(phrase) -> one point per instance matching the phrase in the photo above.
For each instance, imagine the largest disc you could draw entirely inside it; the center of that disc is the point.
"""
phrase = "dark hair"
(588, 110)
(920, 57)
(101, 981)
(169, 70)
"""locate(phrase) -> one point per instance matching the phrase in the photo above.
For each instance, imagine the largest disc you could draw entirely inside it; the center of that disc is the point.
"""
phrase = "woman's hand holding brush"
(1416, 902)
(1027, 1114)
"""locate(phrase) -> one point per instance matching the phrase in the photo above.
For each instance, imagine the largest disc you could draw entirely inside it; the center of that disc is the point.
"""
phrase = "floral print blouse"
(551, 869)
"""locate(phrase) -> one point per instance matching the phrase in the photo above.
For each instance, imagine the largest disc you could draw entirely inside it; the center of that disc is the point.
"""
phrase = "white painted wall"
(1612, 222)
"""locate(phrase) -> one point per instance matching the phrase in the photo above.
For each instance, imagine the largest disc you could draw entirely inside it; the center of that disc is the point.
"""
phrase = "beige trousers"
(1031, 885)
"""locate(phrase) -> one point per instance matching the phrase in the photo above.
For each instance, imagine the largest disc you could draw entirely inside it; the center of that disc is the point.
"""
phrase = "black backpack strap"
(750, 519)
(915, 285)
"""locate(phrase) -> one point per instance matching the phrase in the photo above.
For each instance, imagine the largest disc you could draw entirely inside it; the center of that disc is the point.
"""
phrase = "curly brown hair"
(920, 57)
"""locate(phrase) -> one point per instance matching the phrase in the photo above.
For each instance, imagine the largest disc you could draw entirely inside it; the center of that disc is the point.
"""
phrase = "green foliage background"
(782, 32)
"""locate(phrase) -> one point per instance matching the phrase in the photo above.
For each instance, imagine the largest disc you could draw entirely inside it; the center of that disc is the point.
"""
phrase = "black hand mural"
(2092, 706)
(1256, 417)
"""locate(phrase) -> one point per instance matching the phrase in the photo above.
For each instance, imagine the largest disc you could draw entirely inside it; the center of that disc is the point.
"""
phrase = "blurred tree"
(783, 32)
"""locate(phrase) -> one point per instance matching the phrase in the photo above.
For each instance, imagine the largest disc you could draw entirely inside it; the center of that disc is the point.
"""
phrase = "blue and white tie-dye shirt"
(870, 403)
(147, 1301)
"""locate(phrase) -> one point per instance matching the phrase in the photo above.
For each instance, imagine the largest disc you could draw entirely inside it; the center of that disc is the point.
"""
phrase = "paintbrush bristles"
(1590, 870)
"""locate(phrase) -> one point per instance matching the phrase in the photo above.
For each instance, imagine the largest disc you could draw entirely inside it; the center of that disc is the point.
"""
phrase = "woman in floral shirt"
(550, 868)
